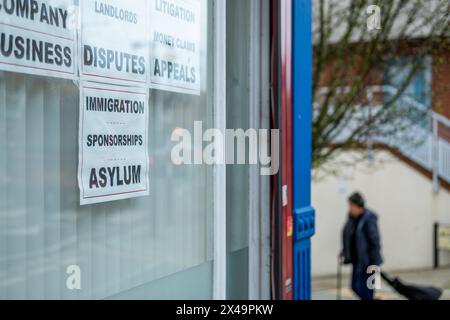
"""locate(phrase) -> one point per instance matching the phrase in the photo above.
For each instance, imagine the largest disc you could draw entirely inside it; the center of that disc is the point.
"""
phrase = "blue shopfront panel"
(303, 213)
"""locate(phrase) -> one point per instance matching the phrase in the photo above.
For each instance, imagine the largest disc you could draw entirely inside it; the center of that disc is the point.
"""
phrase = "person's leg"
(354, 283)
(365, 292)
(359, 286)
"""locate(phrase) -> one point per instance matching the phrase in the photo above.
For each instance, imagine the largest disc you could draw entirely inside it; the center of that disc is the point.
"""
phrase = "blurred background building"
(381, 125)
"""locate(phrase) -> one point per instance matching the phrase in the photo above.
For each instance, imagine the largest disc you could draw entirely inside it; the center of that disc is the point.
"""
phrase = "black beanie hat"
(357, 199)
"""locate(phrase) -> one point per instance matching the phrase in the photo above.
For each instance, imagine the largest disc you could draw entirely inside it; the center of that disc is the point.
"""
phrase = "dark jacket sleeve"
(373, 241)
(345, 253)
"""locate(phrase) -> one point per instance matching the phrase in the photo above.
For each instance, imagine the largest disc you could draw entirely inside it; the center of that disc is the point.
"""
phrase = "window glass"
(117, 245)
(419, 87)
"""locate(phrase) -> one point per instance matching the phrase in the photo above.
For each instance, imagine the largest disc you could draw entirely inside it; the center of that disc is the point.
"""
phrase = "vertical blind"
(117, 245)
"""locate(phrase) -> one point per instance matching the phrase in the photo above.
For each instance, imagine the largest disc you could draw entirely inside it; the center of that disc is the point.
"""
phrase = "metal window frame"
(219, 176)
(259, 186)
(259, 118)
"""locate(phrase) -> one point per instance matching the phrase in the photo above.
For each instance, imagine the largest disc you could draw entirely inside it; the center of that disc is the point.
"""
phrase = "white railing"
(433, 151)
(444, 159)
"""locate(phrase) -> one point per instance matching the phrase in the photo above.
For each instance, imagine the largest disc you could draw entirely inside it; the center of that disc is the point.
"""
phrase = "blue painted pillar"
(303, 213)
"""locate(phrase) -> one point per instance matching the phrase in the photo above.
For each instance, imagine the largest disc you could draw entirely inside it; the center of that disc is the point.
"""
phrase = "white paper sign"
(38, 37)
(175, 45)
(113, 143)
(114, 41)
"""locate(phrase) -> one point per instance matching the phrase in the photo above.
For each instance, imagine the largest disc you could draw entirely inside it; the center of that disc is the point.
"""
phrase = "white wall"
(403, 200)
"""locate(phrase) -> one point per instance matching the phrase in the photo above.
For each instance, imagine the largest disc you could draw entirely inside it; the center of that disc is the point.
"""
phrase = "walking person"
(361, 245)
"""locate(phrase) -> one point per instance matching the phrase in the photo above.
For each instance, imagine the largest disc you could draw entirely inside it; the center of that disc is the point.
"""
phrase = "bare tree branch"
(346, 55)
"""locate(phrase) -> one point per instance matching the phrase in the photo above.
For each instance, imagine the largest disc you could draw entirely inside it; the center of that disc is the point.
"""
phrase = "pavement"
(324, 288)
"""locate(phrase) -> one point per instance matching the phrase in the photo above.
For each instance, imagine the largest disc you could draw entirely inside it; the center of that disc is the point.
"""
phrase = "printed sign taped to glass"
(113, 143)
(38, 37)
(114, 41)
(175, 45)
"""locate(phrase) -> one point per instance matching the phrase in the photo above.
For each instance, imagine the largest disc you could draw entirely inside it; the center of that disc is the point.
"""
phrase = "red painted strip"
(114, 194)
(38, 68)
(123, 91)
(286, 154)
(32, 30)
(97, 76)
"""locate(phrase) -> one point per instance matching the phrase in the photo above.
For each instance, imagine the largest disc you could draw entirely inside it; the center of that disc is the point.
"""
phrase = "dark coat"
(367, 249)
